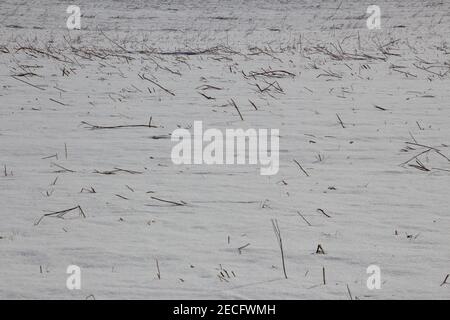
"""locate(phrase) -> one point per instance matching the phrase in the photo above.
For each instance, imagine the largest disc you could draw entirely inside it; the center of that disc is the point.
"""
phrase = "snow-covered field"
(364, 112)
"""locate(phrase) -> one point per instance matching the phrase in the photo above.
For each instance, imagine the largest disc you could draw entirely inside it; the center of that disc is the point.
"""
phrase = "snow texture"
(364, 112)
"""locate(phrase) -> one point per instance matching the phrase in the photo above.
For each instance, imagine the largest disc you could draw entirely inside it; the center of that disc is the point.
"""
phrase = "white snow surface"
(389, 87)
